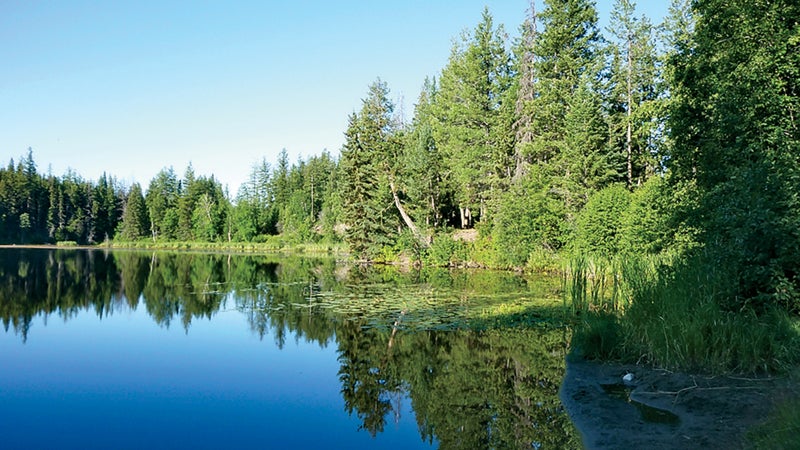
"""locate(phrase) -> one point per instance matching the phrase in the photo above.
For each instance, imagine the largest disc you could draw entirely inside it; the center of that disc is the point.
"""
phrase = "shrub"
(528, 219)
(645, 226)
(599, 225)
(445, 251)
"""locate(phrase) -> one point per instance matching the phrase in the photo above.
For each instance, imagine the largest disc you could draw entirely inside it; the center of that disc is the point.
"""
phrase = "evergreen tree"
(255, 211)
(564, 51)
(636, 92)
(564, 135)
(162, 202)
(106, 207)
(280, 188)
(367, 205)
(525, 90)
(135, 221)
(424, 176)
(472, 124)
(586, 164)
(561, 155)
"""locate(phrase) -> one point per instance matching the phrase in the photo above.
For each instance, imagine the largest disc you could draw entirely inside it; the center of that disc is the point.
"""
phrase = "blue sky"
(130, 87)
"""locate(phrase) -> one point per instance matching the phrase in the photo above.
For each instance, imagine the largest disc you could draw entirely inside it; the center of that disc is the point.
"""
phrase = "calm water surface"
(190, 350)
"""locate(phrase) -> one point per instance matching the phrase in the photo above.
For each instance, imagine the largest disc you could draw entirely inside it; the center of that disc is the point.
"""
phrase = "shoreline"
(184, 246)
(662, 409)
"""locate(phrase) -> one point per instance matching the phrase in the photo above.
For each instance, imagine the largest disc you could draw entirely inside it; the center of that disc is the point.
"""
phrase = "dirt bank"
(659, 409)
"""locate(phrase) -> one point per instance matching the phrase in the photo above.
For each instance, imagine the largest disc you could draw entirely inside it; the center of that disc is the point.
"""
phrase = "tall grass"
(590, 285)
(667, 313)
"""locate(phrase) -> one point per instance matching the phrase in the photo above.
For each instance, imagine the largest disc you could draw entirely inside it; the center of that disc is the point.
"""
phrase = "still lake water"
(196, 350)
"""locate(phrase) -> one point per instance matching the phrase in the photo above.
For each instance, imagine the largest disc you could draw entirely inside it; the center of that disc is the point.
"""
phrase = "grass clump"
(669, 314)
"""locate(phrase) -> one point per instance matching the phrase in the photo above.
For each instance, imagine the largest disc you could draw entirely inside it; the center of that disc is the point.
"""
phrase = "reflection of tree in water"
(37, 282)
(469, 389)
(496, 388)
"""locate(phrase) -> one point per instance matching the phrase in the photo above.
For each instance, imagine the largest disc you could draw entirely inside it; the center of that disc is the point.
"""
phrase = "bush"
(483, 252)
(599, 225)
(645, 226)
(528, 219)
(445, 251)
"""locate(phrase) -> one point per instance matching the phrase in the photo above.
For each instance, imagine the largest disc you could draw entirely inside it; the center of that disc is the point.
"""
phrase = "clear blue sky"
(130, 87)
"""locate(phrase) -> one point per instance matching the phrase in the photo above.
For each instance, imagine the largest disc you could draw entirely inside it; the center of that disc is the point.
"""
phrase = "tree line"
(641, 139)
(544, 116)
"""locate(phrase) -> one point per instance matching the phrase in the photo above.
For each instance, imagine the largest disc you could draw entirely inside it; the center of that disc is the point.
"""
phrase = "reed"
(667, 313)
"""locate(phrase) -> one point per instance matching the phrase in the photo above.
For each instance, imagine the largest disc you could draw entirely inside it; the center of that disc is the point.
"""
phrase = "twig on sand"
(698, 388)
(756, 379)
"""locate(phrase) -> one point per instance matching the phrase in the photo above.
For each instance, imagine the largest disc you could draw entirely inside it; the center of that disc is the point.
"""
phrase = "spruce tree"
(472, 126)
(424, 176)
(563, 51)
(367, 206)
(135, 222)
(636, 93)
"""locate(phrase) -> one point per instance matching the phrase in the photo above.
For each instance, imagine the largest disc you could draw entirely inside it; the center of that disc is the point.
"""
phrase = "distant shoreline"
(248, 248)
(54, 246)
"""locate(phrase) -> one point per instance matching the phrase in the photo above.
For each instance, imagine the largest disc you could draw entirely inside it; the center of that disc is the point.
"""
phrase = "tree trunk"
(629, 140)
(406, 218)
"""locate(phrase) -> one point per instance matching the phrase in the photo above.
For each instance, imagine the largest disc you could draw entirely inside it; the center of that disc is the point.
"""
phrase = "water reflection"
(480, 384)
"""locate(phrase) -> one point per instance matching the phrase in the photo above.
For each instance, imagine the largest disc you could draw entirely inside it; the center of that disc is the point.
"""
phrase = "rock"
(628, 378)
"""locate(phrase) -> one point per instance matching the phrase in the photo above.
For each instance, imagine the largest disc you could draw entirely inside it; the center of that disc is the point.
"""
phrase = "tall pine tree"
(367, 206)
(472, 123)
(636, 93)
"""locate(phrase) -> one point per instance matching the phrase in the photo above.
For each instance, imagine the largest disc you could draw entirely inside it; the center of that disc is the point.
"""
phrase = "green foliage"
(636, 94)
(482, 251)
(365, 162)
(135, 220)
(445, 251)
(470, 125)
(599, 226)
(162, 200)
(424, 172)
(733, 120)
(646, 226)
(38, 209)
(528, 218)
(671, 318)
(585, 161)
(563, 53)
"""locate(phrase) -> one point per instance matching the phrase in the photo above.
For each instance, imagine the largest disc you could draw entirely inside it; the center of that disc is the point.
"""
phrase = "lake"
(123, 349)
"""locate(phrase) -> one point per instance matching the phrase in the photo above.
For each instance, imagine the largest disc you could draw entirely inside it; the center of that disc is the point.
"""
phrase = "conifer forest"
(678, 138)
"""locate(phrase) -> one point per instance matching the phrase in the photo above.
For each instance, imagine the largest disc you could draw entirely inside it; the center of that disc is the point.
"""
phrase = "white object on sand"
(628, 378)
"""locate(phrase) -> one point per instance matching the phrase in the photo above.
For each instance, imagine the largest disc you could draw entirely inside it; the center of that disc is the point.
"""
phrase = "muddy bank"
(659, 409)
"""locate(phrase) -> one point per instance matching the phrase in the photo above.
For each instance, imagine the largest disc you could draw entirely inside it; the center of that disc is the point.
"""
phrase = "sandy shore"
(665, 410)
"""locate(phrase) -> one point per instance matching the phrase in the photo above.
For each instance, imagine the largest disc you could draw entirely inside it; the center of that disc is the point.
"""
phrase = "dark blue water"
(124, 382)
